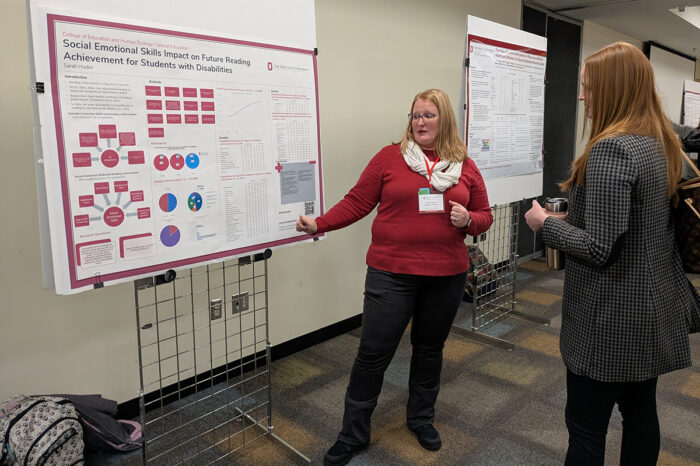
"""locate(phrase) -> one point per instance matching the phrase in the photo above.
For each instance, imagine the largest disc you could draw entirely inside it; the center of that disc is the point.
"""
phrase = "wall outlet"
(239, 302)
(215, 309)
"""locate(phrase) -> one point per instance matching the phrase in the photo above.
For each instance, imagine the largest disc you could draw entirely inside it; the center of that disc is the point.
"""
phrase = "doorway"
(560, 103)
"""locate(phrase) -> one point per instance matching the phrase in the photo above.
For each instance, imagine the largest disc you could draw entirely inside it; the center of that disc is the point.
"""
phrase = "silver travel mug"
(556, 207)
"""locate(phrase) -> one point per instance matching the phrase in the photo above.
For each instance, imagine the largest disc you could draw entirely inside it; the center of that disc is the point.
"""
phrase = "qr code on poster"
(309, 207)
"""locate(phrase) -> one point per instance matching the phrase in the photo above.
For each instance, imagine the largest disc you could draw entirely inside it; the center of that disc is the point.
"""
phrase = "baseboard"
(130, 409)
(310, 339)
(528, 257)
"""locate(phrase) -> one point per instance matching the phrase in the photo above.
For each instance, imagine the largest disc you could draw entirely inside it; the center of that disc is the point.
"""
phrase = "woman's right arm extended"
(357, 203)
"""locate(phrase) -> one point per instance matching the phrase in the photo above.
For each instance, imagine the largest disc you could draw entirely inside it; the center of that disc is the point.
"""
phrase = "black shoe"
(428, 437)
(341, 453)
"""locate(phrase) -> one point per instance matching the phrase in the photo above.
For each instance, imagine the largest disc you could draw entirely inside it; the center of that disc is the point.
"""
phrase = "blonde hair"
(448, 145)
(621, 98)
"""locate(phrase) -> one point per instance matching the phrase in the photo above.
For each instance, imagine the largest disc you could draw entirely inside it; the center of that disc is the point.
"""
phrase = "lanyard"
(430, 169)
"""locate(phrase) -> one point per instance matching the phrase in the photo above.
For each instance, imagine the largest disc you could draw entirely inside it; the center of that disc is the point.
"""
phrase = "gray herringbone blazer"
(626, 299)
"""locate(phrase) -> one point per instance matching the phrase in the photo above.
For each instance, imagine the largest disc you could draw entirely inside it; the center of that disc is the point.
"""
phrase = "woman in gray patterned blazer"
(627, 302)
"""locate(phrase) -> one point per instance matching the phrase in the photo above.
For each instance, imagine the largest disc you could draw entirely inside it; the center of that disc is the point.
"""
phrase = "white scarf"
(441, 180)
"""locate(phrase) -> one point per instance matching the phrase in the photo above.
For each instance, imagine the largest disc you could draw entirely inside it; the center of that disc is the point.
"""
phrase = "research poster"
(505, 112)
(174, 148)
(691, 103)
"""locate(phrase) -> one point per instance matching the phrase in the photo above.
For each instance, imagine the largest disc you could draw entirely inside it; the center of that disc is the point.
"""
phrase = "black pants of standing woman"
(589, 404)
(391, 301)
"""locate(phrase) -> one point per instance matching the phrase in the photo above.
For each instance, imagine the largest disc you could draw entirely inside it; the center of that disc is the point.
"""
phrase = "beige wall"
(373, 57)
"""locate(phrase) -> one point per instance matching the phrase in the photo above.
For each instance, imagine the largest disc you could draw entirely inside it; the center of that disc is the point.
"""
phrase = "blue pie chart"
(192, 160)
(170, 236)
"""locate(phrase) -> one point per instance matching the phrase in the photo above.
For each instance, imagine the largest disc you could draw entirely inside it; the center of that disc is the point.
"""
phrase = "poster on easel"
(165, 148)
(691, 103)
(504, 111)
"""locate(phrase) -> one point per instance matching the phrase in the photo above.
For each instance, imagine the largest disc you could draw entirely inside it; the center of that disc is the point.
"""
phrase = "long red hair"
(620, 98)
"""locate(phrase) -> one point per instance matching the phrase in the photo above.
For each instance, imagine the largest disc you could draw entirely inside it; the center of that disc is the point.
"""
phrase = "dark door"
(560, 101)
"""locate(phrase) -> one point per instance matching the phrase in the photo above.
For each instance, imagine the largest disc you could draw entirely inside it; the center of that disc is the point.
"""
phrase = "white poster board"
(166, 147)
(691, 103)
(671, 70)
(505, 108)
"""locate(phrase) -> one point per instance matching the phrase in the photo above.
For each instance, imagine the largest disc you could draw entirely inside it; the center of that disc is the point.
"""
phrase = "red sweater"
(404, 241)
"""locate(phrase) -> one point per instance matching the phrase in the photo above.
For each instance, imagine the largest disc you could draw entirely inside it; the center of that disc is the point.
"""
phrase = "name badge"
(430, 202)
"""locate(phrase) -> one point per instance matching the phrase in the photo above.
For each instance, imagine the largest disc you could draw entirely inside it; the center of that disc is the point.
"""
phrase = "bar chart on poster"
(166, 147)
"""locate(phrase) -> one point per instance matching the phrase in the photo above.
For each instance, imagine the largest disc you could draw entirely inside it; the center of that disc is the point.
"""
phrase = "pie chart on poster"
(192, 160)
(167, 202)
(177, 161)
(194, 202)
(160, 162)
(170, 236)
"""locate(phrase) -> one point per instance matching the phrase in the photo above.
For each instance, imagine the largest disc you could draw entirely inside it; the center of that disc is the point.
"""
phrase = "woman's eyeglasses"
(418, 116)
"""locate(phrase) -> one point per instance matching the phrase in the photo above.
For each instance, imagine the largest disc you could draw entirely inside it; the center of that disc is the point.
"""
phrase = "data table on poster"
(691, 103)
(175, 148)
(506, 107)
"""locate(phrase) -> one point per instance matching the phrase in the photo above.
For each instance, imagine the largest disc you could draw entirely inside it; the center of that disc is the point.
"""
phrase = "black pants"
(589, 404)
(391, 300)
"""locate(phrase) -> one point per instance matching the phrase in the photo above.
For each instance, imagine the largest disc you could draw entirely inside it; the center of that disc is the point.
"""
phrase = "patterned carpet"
(496, 407)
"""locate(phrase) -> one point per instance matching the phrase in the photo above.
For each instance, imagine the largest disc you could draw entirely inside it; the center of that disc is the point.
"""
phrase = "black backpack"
(102, 431)
(691, 143)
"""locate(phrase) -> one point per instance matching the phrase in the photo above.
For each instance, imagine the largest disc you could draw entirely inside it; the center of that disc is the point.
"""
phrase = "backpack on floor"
(40, 430)
(101, 428)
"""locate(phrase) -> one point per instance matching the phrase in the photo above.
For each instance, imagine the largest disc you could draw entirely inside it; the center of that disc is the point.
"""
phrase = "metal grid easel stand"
(492, 285)
(204, 361)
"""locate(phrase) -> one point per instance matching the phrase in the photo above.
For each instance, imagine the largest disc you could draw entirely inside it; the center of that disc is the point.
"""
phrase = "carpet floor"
(496, 407)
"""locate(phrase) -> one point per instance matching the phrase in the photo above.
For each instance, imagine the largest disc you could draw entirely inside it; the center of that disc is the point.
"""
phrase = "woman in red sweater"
(429, 196)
